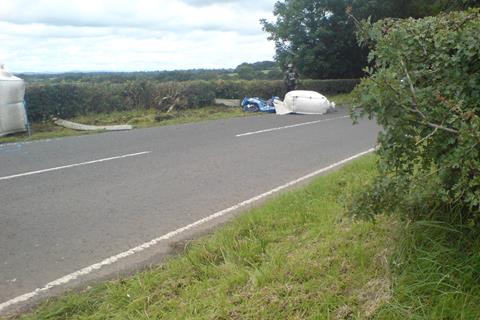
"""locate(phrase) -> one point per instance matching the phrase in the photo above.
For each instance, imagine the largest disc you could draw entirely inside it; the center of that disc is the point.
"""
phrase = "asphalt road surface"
(66, 204)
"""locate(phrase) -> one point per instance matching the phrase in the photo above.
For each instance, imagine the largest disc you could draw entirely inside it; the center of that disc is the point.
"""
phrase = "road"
(66, 204)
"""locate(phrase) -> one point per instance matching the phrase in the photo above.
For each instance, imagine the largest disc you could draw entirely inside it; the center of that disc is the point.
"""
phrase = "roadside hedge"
(424, 90)
(70, 99)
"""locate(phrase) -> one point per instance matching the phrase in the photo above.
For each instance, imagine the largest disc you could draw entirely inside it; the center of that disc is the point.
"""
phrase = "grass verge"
(140, 118)
(436, 268)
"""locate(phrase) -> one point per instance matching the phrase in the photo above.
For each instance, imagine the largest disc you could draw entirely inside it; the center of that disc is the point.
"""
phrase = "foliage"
(318, 36)
(258, 70)
(69, 99)
(334, 86)
(246, 71)
(424, 90)
(434, 7)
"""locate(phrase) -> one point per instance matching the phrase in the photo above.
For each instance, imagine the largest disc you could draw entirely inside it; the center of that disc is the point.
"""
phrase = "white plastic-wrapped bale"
(13, 117)
(304, 102)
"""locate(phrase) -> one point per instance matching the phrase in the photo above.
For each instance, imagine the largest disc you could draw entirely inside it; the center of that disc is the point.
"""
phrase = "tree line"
(262, 70)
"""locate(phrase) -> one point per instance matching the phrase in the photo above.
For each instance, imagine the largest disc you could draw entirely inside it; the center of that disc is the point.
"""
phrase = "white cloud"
(54, 35)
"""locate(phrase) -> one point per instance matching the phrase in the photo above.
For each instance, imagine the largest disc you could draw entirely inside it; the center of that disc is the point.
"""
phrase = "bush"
(268, 88)
(199, 93)
(334, 86)
(424, 90)
(72, 99)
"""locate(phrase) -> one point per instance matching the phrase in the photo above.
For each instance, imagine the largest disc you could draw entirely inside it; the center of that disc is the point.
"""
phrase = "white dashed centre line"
(72, 165)
(289, 126)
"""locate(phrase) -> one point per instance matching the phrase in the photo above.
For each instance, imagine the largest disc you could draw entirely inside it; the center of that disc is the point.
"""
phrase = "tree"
(315, 36)
(246, 71)
(318, 35)
(258, 70)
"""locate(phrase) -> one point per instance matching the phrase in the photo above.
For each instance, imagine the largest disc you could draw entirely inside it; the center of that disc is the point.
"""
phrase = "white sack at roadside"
(13, 117)
(303, 102)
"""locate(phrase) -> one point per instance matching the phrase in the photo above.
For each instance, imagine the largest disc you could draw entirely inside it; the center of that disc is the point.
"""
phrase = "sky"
(132, 35)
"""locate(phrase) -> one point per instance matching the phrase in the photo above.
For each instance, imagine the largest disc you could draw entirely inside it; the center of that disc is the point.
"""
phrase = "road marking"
(72, 165)
(82, 272)
(290, 126)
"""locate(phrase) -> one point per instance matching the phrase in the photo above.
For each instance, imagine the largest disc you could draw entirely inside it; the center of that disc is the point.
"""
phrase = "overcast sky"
(132, 35)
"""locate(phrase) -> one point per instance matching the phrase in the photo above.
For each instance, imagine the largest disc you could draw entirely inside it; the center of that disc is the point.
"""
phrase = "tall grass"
(436, 269)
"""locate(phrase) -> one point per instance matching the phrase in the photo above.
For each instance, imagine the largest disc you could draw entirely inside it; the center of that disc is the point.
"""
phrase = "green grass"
(295, 257)
(42, 131)
(139, 118)
(342, 99)
(151, 117)
(436, 268)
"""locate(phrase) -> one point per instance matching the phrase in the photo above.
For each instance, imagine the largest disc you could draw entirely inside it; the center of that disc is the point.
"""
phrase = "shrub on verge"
(424, 90)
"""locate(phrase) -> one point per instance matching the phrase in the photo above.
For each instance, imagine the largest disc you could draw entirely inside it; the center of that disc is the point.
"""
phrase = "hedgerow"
(424, 90)
(69, 99)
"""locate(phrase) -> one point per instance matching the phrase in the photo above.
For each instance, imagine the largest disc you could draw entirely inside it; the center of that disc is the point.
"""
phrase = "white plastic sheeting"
(13, 117)
(304, 102)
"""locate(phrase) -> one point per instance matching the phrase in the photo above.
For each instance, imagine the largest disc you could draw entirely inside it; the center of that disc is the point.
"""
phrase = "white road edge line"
(72, 165)
(82, 272)
(290, 126)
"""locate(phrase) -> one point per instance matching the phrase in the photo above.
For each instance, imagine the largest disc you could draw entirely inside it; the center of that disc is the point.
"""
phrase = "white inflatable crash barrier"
(304, 102)
(13, 117)
(86, 127)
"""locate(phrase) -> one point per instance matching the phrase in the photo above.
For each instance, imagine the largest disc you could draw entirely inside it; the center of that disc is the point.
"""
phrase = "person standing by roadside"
(291, 78)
